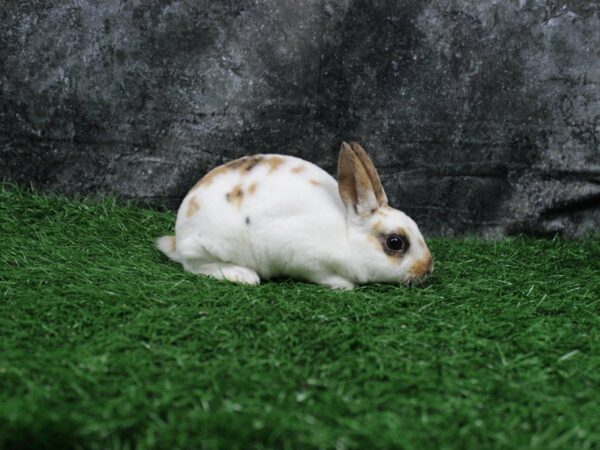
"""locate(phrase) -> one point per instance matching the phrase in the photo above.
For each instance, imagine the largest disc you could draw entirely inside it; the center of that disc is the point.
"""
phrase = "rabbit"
(270, 215)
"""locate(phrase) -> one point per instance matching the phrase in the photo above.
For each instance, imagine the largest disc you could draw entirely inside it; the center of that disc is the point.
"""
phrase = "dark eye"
(396, 243)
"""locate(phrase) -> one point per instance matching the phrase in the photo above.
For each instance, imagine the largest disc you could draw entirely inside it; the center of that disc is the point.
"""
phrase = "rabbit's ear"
(354, 184)
(371, 172)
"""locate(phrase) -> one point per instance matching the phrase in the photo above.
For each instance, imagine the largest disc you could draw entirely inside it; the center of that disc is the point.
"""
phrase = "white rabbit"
(269, 215)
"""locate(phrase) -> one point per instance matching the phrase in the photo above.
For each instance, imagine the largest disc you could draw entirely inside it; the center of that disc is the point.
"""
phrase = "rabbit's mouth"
(417, 281)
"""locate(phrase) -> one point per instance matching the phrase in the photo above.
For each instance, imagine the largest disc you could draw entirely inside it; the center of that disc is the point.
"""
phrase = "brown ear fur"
(346, 184)
(372, 172)
(354, 184)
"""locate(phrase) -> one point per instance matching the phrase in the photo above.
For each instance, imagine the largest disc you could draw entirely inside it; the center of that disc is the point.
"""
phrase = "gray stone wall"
(482, 116)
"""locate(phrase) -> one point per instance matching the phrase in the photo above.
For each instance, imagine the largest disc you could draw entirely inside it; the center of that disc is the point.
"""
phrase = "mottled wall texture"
(483, 116)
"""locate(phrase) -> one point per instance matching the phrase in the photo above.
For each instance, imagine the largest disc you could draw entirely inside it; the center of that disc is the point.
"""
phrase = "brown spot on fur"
(235, 196)
(251, 162)
(245, 164)
(208, 178)
(394, 258)
(236, 163)
(193, 206)
(422, 267)
(402, 232)
(315, 182)
(374, 241)
(274, 162)
(376, 227)
(173, 243)
(252, 188)
(297, 169)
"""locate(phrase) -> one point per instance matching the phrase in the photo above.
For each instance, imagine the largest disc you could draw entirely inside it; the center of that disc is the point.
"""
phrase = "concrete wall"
(482, 116)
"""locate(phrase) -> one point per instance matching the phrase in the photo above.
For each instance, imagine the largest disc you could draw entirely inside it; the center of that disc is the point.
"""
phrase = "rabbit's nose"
(422, 267)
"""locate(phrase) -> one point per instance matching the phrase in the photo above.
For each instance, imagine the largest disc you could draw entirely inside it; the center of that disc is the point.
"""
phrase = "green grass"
(105, 344)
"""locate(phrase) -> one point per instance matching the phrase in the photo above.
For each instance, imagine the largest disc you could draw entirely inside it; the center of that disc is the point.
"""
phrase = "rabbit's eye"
(396, 243)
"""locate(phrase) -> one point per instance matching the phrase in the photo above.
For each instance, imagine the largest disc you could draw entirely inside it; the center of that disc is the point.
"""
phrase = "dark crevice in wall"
(591, 202)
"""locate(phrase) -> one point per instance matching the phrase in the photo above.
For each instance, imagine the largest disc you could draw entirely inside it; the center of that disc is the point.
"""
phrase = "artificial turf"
(106, 344)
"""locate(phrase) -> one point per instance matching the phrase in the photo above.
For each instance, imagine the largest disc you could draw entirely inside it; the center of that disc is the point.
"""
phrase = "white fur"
(296, 228)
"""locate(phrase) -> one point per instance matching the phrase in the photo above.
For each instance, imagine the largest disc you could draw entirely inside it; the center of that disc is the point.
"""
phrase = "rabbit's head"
(387, 244)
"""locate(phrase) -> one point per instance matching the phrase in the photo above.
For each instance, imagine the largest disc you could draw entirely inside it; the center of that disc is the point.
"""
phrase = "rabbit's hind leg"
(224, 271)
(333, 281)
(200, 256)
